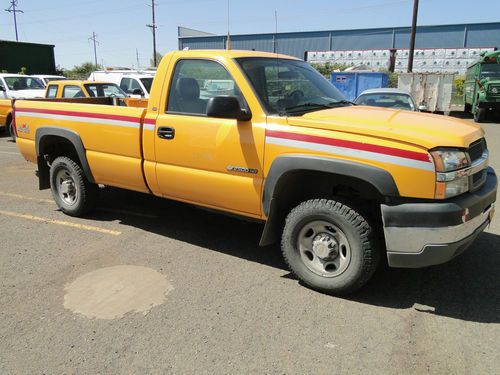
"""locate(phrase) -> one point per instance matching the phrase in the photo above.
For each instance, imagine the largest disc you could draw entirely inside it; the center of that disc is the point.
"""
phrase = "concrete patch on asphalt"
(111, 292)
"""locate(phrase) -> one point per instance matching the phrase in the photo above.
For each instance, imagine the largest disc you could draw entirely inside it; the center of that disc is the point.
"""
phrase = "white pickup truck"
(19, 86)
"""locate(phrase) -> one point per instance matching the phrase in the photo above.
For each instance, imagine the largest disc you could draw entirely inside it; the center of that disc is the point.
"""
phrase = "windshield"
(387, 100)
(490, 71)
(289, 87)
(104, 90)
(23, 83)
(147, 82)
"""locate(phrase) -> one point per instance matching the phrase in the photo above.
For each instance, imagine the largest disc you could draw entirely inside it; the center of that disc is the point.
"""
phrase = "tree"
(82, 70)
(158, 59)
(327, 68)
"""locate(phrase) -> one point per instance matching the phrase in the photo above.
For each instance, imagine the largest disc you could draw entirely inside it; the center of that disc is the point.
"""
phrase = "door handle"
(166, 132)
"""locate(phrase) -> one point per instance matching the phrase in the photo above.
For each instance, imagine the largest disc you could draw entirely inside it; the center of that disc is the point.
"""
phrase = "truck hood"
(420, 129)
(26, 94)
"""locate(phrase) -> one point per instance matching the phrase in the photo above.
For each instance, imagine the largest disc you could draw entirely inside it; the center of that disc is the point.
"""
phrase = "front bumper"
(424, 234)
(492, 104)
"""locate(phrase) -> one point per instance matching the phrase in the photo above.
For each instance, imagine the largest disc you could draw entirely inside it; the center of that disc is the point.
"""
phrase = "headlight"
(449, 179)
(449, 160)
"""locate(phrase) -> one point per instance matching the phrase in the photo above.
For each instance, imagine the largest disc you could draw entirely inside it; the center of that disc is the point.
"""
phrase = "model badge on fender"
(241, 169)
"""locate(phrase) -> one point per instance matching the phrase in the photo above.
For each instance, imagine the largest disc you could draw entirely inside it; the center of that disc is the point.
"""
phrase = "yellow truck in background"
(266, 137)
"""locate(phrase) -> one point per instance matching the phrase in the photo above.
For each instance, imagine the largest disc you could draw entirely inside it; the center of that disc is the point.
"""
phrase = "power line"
(12, 9)
(94, 39)
(153, 27)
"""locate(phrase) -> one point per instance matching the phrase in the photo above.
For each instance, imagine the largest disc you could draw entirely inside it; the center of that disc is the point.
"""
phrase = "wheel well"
(53, 146)
(298, 186)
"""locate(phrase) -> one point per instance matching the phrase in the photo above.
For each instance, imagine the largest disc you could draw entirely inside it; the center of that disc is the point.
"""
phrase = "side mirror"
(227, 107)
(2, 88)
(422, 108)
(137, 92)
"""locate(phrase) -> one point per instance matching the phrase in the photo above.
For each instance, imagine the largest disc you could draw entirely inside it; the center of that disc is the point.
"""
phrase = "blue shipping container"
(351, 84)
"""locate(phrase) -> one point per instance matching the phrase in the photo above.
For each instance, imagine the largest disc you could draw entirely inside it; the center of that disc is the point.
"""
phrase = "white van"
(20, 86)
(135, 83)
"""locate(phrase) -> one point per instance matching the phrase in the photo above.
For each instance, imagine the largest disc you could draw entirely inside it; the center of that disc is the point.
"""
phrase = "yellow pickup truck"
(266, 137)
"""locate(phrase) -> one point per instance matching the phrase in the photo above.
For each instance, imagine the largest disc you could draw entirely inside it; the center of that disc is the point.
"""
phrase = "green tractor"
(482, 86)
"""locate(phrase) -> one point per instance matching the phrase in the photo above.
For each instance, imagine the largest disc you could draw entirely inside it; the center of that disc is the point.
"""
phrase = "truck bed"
(110, 134)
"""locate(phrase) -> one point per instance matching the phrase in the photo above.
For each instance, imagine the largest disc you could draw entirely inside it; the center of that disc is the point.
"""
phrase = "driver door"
(213, 162)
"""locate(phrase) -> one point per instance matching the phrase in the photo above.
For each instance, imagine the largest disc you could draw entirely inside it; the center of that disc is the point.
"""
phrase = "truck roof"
(231, 53)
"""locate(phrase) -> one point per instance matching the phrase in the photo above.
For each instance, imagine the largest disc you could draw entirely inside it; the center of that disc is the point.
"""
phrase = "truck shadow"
(467, 288)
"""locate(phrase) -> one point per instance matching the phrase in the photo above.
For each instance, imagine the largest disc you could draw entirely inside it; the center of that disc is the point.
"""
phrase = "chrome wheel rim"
(324, 248)
(66, 187)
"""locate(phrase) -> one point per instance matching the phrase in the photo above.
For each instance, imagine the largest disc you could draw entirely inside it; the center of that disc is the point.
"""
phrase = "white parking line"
(103, 209)
(63, 223)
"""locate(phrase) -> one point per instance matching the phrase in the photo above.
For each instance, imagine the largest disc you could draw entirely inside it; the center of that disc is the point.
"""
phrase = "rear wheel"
(71, 190)
(12, 132)
(329, 246)
(467, 108)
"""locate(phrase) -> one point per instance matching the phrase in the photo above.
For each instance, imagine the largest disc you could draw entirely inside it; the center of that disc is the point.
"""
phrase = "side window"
(72, 92)
(194, 82)
(125, 84)
(52, 91)
(129, 85)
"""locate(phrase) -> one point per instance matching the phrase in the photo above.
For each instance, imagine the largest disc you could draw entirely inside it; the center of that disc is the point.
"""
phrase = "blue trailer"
(351, 84)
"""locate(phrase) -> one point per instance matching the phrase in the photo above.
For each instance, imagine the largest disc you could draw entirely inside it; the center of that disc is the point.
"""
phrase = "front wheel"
(480, 115)
(71, 190)
(329, 246)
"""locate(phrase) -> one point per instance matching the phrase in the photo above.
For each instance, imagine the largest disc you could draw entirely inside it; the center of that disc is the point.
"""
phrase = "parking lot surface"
(208, 300)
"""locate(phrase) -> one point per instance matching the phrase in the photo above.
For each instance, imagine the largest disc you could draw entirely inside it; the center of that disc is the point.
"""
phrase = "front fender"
(380, 179)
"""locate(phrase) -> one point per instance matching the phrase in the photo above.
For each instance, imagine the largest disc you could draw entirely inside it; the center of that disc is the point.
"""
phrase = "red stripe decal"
(151, 121)
(80, 114)
(350, 144)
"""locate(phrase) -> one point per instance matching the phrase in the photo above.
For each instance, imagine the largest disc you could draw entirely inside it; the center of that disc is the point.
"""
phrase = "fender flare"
(70, 136)
(379, 178)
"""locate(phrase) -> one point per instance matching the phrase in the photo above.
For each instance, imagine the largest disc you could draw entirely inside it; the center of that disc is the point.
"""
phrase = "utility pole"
(137, 58)
(12, 9)
(153, 27)
(412, 36)
(94, 39)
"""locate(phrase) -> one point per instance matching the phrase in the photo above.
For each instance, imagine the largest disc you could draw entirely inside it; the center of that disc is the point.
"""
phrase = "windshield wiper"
(341, 102)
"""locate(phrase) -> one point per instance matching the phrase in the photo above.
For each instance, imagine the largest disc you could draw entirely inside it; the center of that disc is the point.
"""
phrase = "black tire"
(364, 252)
(86, 193)
(467, 108)
(11, 131)
(480, 115)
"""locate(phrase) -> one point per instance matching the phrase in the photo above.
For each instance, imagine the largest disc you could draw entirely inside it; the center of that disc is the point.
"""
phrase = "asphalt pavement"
(199, 296)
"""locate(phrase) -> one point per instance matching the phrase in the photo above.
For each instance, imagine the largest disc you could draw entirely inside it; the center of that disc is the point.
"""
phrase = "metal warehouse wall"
(296, 44)
(36, 58)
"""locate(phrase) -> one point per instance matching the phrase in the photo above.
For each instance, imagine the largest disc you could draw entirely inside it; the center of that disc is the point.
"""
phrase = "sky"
(121, 24)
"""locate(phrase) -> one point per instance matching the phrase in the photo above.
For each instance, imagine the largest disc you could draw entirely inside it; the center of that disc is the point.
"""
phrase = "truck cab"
(20, 86)
(81, 89)
(482, 86)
